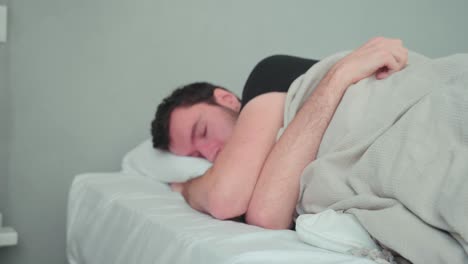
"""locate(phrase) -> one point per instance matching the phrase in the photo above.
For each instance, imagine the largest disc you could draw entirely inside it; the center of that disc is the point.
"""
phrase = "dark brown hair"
(185, 96)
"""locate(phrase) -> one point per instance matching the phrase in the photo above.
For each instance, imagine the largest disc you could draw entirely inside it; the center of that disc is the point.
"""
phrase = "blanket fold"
(395, 155)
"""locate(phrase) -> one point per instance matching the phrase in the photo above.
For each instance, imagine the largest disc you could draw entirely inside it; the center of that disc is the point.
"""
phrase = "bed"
(126, 218)
(368, 168)
(132, 216)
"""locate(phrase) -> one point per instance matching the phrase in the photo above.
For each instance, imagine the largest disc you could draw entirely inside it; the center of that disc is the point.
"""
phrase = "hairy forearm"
(197, 192)
(226, 189)
(277, 189)
(219, 199)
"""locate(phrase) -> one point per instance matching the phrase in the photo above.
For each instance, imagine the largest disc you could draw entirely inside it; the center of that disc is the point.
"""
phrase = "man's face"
(201, 130)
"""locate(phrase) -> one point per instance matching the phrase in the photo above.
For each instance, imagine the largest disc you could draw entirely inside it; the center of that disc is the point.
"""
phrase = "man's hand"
(379, 56)
(178, 187)
(183, 189)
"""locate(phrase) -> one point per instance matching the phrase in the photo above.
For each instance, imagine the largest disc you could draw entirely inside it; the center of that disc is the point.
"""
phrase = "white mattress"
(119, 218)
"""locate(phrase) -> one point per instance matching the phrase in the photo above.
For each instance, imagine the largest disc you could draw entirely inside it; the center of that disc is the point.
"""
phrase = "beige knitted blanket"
(395, 155)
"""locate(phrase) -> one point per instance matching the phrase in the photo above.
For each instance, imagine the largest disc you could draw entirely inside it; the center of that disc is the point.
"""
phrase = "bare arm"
(225, 190)
(277, 190)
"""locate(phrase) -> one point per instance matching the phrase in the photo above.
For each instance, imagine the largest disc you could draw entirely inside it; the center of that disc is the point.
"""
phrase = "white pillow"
(161, 165)
(334, 231)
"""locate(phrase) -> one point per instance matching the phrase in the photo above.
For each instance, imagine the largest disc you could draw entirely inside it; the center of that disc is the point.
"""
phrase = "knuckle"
(404, 51)
(377, 39)
(388, 56)
(398, 41)
(383, 53)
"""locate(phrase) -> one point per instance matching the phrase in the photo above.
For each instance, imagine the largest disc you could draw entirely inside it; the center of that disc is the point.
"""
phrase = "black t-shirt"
(274, 74)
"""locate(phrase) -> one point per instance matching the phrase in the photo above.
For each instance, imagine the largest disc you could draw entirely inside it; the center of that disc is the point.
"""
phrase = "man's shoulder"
(274, 74)
(265, 104)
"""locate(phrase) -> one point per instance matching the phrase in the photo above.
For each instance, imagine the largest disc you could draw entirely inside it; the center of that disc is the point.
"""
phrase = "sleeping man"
(248, 176)
(258, 175)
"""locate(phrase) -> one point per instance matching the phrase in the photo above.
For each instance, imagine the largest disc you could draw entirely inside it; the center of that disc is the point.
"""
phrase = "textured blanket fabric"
(395, 155)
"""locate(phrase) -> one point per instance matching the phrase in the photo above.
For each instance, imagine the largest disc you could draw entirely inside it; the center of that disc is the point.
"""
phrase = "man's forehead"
(181, 123)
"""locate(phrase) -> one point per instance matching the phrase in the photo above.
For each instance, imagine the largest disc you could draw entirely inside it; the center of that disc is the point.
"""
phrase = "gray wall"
(4, 115)
(85, 77)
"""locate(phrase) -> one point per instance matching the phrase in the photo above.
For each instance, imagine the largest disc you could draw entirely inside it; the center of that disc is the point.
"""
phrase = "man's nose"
(206, 149)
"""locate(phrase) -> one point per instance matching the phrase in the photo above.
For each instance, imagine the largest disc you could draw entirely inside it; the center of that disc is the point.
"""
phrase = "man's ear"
(226, 99)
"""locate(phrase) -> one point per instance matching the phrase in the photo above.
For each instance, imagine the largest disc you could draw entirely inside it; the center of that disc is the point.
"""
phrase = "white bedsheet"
(120, 218)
